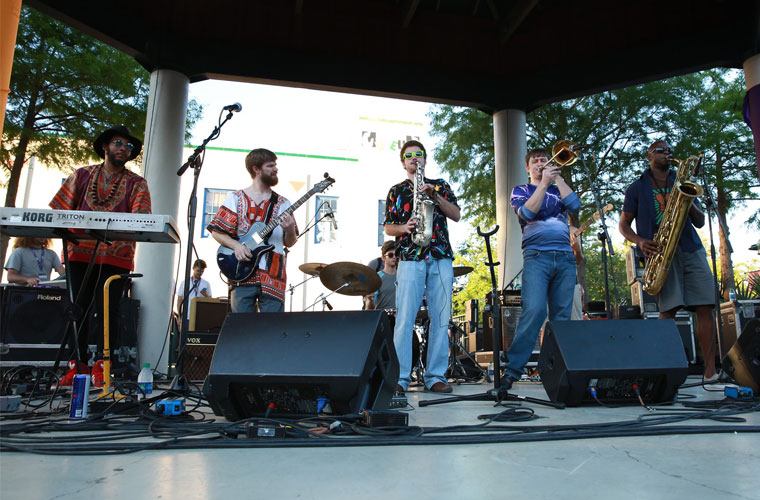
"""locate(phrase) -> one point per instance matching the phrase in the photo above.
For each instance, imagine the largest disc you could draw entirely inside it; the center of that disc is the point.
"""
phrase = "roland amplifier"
(33, 322)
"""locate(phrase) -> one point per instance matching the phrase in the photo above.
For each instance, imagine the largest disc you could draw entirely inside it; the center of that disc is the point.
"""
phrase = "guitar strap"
(270, 208)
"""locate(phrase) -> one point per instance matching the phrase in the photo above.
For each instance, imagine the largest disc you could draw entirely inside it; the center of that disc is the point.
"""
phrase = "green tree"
(478, 282)
(66, 87)
(620, 292)
(703, 108)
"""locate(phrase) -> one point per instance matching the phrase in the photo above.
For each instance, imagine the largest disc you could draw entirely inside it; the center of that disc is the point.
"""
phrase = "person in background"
(385, 297)
(198, 288)
(32, 261)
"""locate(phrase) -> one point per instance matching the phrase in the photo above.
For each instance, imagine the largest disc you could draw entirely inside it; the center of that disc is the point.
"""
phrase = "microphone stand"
(179, 383)
(604, 237)
(709, 205)
(496, 394)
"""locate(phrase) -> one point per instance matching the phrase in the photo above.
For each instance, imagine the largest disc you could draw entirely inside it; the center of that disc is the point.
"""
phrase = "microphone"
(331, 215)
(236, 107)
(578, 147)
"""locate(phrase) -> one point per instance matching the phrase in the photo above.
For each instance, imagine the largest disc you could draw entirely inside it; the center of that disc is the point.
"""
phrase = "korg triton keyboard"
(75, 224)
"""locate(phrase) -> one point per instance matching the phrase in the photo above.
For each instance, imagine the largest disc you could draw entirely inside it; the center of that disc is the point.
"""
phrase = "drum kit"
(351, 278)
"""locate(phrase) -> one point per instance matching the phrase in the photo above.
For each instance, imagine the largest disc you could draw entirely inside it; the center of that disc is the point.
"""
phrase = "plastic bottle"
(490, 369)
(732, 295)
(145, 382)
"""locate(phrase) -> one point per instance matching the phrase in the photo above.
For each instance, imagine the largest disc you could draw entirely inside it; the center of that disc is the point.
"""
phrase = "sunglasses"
(414, 154)
(662, 150)
(119, 143)
(390, 254)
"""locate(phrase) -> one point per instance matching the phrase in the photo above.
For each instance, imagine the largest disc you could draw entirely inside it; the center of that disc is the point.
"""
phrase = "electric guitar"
(257, 240)
(596, 217)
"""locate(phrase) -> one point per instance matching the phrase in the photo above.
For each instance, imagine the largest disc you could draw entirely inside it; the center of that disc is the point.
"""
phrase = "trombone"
(562, 154)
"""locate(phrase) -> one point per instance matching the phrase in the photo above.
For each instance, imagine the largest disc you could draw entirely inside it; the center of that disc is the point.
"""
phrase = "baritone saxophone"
(673, 220)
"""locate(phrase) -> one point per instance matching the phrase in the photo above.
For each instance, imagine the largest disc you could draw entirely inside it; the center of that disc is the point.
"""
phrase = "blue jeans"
(548, 275)
(434, 278)
(244, 299)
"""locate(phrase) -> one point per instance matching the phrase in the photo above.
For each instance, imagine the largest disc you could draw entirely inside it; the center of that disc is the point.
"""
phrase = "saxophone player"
(424, 269)
(689, 282)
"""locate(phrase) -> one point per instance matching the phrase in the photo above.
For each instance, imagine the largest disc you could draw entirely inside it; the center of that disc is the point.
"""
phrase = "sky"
(320, 122)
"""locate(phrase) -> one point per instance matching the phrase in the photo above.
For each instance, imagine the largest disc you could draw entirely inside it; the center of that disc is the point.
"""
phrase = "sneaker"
(440, 387)
(399, 390)
(505, 383)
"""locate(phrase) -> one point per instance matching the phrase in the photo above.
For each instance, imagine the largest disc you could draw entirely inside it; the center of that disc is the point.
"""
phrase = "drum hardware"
(345, 278)
(350, 278)
(456, 370)
(419, 349)
(312, 269)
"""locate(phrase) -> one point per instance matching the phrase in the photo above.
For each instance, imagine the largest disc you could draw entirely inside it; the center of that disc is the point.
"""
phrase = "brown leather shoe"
(441, 388)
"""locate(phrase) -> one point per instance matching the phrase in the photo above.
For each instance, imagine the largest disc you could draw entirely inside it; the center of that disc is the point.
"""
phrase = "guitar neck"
(275, 221)
(583, 227)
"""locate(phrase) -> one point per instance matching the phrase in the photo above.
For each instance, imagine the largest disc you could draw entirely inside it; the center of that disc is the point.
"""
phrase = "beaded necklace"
(93, 188)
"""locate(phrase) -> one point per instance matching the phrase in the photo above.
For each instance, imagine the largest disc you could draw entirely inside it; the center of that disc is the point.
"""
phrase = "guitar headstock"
(605, 209)
(321, 186)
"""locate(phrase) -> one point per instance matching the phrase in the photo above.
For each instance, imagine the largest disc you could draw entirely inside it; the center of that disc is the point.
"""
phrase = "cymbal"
(362, 280)
(462, 270)
(312, 268)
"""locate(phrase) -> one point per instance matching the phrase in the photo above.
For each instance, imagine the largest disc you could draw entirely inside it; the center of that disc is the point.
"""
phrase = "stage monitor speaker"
(300, 361)
(611, 357)
(742, 362)
(207, 314)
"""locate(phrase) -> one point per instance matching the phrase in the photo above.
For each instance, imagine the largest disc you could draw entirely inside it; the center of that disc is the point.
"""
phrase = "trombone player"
(689, 282)
(549, 274)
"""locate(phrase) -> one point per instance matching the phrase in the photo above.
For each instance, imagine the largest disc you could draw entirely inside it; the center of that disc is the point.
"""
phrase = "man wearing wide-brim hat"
(104, 187)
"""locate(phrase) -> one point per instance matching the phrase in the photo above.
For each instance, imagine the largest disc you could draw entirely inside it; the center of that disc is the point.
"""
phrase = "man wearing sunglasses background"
(689, 283)
(105, 187)
(422, 270)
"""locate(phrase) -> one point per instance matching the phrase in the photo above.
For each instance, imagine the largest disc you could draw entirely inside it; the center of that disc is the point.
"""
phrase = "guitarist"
(257, 203)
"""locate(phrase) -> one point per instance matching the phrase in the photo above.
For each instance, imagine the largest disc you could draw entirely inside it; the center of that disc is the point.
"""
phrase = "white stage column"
(509, 153)
(752, 71)
(164, 139)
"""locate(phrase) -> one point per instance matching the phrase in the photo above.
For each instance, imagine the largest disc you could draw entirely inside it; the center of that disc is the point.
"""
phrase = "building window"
(380, 222)
(326, 229)
(212, 200)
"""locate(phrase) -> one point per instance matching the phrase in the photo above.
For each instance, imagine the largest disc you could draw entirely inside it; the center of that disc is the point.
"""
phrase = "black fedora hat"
(105, 138)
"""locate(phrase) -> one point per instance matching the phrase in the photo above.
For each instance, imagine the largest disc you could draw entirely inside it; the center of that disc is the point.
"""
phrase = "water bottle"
(490, 369)
(145, 382)
(732, 295)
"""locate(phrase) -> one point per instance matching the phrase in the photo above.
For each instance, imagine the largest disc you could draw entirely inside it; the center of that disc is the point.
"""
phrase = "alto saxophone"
(673, 220)
(422, 211)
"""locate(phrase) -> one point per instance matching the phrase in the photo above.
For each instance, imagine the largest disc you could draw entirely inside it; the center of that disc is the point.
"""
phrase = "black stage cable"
(182, 432)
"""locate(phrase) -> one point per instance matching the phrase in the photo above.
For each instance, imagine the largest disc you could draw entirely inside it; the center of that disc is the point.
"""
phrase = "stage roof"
(490, 54)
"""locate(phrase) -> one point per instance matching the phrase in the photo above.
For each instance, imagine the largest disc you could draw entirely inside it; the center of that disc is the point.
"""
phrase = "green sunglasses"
(417, 154)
